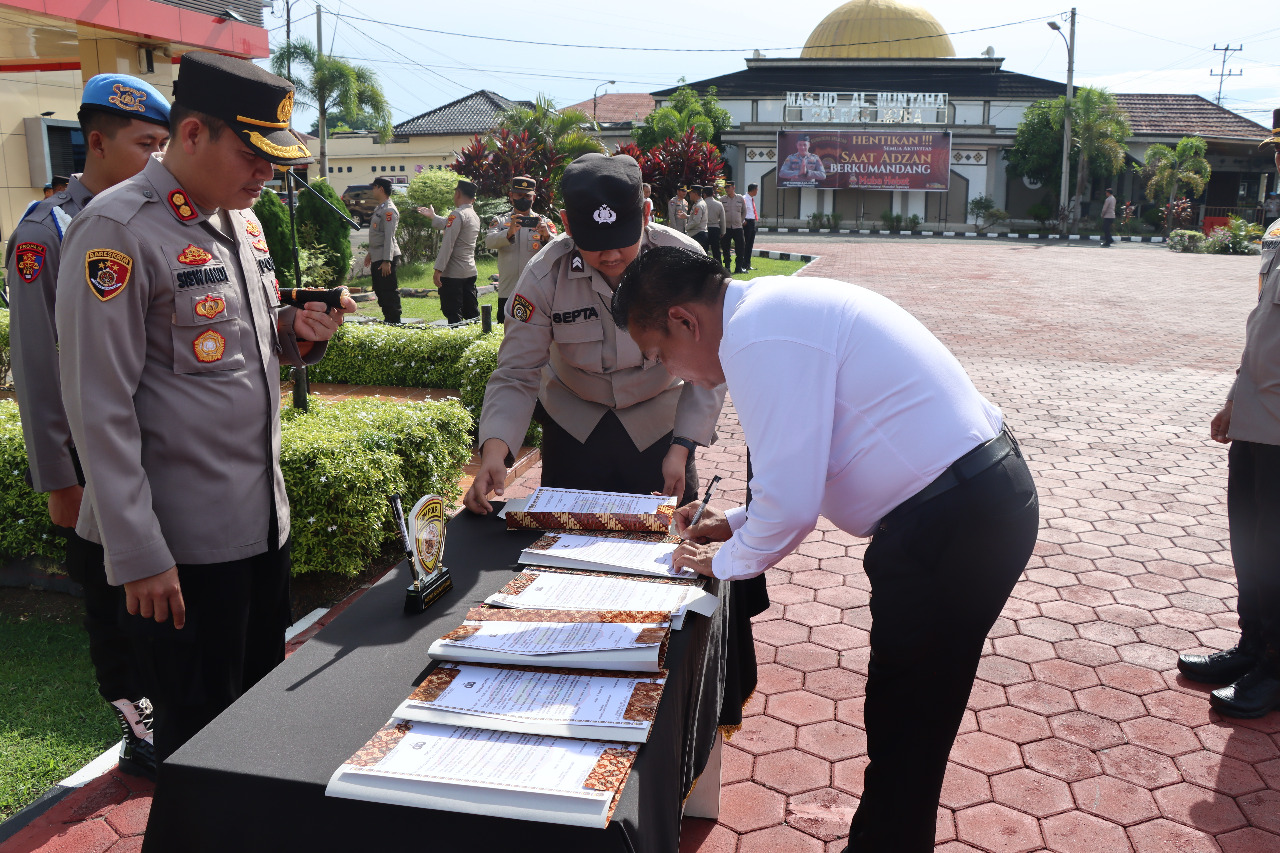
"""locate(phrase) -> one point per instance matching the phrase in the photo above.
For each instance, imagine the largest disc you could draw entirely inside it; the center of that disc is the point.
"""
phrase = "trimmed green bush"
(377, 354)
(27, 530)
(274, 216)
(1183, 240)
(4, 346)
(478, 362)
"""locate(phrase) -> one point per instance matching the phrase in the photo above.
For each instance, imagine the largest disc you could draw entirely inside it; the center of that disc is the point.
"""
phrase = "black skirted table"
(254, 779)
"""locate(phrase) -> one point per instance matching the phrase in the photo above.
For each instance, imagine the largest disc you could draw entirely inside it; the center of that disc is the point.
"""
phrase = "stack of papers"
(573, 509)
(554, 589)
(605, 553)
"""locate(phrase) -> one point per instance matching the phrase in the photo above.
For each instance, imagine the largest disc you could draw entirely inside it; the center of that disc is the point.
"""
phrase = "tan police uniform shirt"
(457, 257)
(735, 210)
(172, 334)
(1255, 415)
(514, 253)
(562, 347)
(715, 213)
(382, 232)
(31, 269)
(697, 221)
(675, 207)
(811, 164)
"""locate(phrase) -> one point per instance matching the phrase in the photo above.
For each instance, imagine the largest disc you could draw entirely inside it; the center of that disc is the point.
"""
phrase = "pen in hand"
(711, 487)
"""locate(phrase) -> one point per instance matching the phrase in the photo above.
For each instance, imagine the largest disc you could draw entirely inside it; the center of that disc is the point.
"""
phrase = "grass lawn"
(52, 720)
(419, 275)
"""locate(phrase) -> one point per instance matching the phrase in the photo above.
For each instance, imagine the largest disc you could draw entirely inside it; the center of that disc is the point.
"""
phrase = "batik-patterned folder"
(572, 509)
(500, 774)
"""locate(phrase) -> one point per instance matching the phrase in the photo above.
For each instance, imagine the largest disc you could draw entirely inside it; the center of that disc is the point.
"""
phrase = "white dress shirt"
(751, 207)
(849, 405)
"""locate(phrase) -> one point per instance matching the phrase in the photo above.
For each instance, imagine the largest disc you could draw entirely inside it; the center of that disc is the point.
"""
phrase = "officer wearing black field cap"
(611, 421)
(455, 275)
(1250, 422)
(517, 236)
(171, 335)
(123, 121)
(384, 251)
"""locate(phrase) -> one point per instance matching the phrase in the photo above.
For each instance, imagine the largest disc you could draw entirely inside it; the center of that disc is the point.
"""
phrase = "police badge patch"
(211, 306)
(30, 260)
(194, 256)
(251, 228)
(521, 308)
(209, 346)
(107, 272)
(260, 245)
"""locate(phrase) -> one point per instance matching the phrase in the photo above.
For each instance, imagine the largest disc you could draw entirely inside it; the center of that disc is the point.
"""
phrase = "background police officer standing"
(735, 211)
(696, 224)
(517, 236)
(678, 210)
(171, 338)
(124, 121)
(455, 275)
(715, 225)
(384, 251)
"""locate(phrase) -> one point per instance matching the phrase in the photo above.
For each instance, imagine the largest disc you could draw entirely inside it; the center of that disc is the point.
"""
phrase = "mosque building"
(901, 124)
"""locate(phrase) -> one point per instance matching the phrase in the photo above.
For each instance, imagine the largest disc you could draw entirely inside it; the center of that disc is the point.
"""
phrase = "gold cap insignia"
(285, 110)
(128, 98)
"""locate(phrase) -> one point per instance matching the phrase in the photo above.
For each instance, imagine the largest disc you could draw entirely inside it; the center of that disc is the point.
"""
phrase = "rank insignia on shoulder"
(209, 346)
(107, 272)
(211, 306)
(260, 245)
(30, 261)
(252, 229)
(194, 256)
(575, 263)
(521, 308)
(388, 216)
(182, 206)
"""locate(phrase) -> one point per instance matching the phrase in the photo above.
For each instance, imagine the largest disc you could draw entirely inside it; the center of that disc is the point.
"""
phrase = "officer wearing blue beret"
(124, 120)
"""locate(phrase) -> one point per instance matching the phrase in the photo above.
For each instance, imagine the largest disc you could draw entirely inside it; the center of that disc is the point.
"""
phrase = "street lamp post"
(1064, 206)
(595, 95)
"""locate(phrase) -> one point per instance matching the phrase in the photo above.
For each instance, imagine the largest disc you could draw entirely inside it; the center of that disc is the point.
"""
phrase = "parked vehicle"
(360, 202)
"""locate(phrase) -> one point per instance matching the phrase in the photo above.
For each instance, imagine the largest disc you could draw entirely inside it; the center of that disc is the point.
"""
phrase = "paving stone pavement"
(1080, 737)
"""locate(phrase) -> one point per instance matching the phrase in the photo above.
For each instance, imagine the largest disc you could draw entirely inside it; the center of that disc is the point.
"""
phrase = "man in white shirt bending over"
(853, 410)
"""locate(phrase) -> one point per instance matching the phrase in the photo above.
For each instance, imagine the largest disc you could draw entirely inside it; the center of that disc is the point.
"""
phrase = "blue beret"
(126, 96)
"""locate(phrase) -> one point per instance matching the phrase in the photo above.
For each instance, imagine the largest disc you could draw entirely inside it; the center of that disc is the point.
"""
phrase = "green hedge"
(340, 461)
(377, 354)
(478, 362)
(26, 531)
(4, 346)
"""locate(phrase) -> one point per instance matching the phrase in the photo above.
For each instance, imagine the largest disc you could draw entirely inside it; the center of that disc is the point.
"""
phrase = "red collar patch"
(30, 261)
(194, 256)
(181, 205)
(252, 229)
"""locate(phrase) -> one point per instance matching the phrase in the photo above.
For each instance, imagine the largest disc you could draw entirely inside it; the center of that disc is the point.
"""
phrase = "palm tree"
(559, 131)
(1167, 169)
(1099, 131)
(672, 123)
(326, 83)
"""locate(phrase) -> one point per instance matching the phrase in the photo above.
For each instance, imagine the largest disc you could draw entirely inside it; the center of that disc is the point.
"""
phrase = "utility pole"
(324, 131)
(1066, 207)
(1222, 75)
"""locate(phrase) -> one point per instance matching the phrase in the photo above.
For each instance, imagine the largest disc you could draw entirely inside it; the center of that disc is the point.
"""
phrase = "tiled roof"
(958, 81)
(1186, 115)
(619, 106)
(475, 113)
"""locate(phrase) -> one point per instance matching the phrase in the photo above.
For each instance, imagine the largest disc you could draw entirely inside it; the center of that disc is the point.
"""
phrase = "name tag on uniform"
(588, 313)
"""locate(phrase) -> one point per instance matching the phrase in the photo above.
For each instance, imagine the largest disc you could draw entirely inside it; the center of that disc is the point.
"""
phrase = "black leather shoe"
(1219, 667)
(137, 751)
(1254, 695)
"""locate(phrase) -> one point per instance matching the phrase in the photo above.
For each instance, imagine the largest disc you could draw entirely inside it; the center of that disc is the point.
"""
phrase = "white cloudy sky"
(1125, 45)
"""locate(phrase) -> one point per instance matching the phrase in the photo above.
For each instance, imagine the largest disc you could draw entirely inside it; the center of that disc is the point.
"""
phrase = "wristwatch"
(687, 443)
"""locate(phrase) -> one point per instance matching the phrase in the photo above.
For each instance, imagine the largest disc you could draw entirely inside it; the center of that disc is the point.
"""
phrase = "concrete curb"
(1001, 236)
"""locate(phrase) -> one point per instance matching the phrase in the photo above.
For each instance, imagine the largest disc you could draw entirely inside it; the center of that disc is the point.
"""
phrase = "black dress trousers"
(110, 649)
(387, 289)
(940, 574)
(749, 237)
(715, 246)
(735, 236)
(458, 299)
(1253, 507)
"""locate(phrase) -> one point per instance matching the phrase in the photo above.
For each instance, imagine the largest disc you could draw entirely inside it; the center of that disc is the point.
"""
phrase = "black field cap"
(603, 202)
(523, 184)
(1274, 138)
(255, 103)
(468, 188)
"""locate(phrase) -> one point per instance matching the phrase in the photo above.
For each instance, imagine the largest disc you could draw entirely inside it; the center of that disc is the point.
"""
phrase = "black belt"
(966, 467)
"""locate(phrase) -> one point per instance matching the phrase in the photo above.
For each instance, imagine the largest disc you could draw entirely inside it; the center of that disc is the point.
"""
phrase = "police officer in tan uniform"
(517, 236)
(611, 420)
(678, 210)
(715, 223)
(696, 224)
(455, 275)
(124, 120)
(735, 211)
(802, 167)
(171, 339)
(384, 251)
(1250, 422)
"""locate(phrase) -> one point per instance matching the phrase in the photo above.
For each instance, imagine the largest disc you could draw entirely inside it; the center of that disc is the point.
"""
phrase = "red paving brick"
(1078, 689)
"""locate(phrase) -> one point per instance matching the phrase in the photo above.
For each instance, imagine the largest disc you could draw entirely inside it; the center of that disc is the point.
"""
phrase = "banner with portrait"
(865, 159)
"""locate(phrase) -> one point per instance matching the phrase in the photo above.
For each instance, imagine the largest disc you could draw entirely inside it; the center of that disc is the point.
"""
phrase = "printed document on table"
(544, 590)
(579, 501)
(538, 700)
(549, 638)
(604, 553)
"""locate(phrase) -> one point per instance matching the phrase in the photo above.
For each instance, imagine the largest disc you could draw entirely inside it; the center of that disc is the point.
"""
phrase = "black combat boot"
(137, 750)
(1254, 694)
(1221, 667)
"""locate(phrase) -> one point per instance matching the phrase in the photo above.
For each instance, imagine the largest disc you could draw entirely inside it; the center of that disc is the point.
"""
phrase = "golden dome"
(878, 29)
